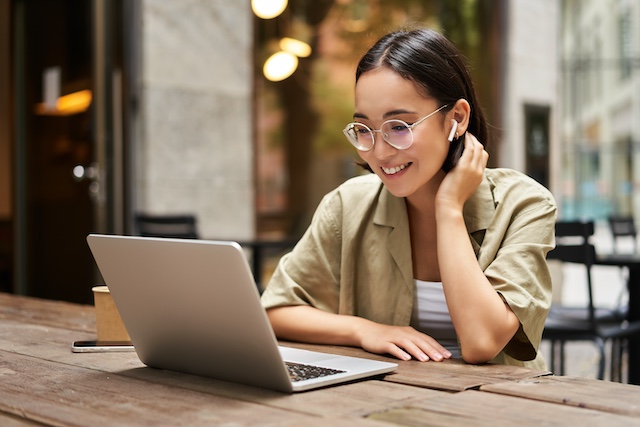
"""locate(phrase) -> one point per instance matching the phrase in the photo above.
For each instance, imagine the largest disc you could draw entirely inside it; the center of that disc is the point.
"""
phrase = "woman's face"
(382, 95)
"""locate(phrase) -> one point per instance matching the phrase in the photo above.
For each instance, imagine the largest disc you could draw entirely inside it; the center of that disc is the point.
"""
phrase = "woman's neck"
(422, 202)
(421, 213)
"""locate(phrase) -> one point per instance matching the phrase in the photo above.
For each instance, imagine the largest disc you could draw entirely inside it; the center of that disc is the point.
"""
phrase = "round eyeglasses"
(396, 133)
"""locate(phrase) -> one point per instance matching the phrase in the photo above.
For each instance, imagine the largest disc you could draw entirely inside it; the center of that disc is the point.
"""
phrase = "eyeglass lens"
(395, 132)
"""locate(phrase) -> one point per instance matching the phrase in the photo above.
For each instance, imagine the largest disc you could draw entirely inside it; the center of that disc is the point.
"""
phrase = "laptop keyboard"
(300, 372)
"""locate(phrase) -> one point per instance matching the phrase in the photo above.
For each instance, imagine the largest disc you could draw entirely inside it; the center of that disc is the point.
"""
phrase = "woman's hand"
(463, 180)
(403, 342)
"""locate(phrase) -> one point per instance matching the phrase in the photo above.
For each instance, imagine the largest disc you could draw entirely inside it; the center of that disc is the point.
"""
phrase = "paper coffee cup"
(108, 321)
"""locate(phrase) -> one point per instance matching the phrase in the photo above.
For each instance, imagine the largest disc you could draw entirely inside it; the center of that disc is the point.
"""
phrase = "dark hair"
(435, 65)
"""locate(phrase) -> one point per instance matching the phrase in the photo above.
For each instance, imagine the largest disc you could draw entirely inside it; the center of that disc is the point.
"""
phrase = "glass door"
(64, 143)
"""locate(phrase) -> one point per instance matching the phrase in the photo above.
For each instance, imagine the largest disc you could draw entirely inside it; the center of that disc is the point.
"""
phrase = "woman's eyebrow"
(397, 112)
(385, 115)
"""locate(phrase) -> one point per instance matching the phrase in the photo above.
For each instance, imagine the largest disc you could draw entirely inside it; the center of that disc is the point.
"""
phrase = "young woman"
(432, 256)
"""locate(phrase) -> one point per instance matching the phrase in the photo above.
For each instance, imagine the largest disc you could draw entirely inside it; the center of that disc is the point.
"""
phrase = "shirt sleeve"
(522, 234)
(309, 274)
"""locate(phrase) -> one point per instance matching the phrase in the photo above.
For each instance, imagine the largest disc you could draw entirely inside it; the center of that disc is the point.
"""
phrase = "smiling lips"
(394, 170)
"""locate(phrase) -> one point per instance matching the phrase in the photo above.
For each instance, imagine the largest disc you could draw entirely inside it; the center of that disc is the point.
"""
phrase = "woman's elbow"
(482, 345)
(480, 351)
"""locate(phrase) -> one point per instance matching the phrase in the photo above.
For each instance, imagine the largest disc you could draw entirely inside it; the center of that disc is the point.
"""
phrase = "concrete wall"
(531, 73)
(194, 149)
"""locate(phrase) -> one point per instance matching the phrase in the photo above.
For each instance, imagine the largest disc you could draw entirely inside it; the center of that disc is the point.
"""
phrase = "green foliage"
(359, 23)
(334, 105)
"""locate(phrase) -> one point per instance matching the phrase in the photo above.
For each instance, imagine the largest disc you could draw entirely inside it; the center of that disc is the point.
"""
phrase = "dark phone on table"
(101, 346)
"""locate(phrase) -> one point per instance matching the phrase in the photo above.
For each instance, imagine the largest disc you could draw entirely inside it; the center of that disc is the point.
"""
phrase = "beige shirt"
(355, 257)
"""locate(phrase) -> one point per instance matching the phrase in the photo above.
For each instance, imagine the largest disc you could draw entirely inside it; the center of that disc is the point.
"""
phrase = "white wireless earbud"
(453, 130)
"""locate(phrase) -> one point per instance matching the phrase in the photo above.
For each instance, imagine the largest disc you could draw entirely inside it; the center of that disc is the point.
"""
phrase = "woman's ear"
(461, 113)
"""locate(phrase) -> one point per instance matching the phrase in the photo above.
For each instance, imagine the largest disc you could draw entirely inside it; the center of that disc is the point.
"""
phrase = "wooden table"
(43, 383)
(632, 262)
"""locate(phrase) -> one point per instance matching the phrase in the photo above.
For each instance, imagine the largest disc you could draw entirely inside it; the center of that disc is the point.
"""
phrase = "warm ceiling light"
(74, 102)
(67, 105)
(297, 47)
(267, 9)
(279, 66)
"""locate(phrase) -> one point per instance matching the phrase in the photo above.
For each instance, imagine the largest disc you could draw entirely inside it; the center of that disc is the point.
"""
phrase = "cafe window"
(537, 142)
(622, 162)
(625, 39)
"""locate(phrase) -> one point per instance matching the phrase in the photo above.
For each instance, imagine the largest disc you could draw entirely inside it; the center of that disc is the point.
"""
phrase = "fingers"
(476, 154)
(465, 177)
(423, 351)
(397, 352)
(432, 349)
(403, 342)
(420, 347)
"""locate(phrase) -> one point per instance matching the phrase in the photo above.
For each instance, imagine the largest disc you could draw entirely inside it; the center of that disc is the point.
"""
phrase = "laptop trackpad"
(304, 356)
(327, 360)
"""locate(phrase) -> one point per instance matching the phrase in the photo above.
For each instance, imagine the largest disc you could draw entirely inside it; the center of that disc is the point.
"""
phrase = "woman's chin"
(398, 190)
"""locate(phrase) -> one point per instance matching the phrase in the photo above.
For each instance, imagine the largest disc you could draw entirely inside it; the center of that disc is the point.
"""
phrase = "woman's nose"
(381, 148)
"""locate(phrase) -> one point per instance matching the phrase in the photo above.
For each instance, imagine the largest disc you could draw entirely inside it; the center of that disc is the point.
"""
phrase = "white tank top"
(431, 315)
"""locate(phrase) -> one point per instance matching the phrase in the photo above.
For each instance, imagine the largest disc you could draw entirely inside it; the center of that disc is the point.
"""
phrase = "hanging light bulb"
(279, 66)
(297, 47)
(268, 9)
(74, 102)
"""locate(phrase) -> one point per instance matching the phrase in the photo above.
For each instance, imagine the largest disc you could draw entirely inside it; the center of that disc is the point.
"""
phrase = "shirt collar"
(481, 206)
(477, 212)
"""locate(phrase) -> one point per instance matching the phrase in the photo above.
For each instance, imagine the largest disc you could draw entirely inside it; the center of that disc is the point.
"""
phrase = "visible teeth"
(391, 171)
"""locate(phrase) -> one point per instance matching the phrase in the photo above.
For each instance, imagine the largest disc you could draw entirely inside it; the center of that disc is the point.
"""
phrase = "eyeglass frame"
(373, 131)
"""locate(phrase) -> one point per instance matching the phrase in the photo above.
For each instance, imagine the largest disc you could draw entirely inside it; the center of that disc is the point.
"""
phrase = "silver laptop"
(193, 306)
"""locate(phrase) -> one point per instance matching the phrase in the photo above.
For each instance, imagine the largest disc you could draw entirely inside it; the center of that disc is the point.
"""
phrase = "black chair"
(589, 323)
(175, 226)
(623, 227)
(264, 249)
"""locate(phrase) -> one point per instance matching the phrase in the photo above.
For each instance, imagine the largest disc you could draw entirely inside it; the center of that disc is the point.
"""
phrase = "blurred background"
(231, 112)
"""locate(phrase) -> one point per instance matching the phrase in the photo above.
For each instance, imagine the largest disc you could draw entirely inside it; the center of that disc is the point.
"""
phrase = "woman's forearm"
(483, 322)
(308, 324)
